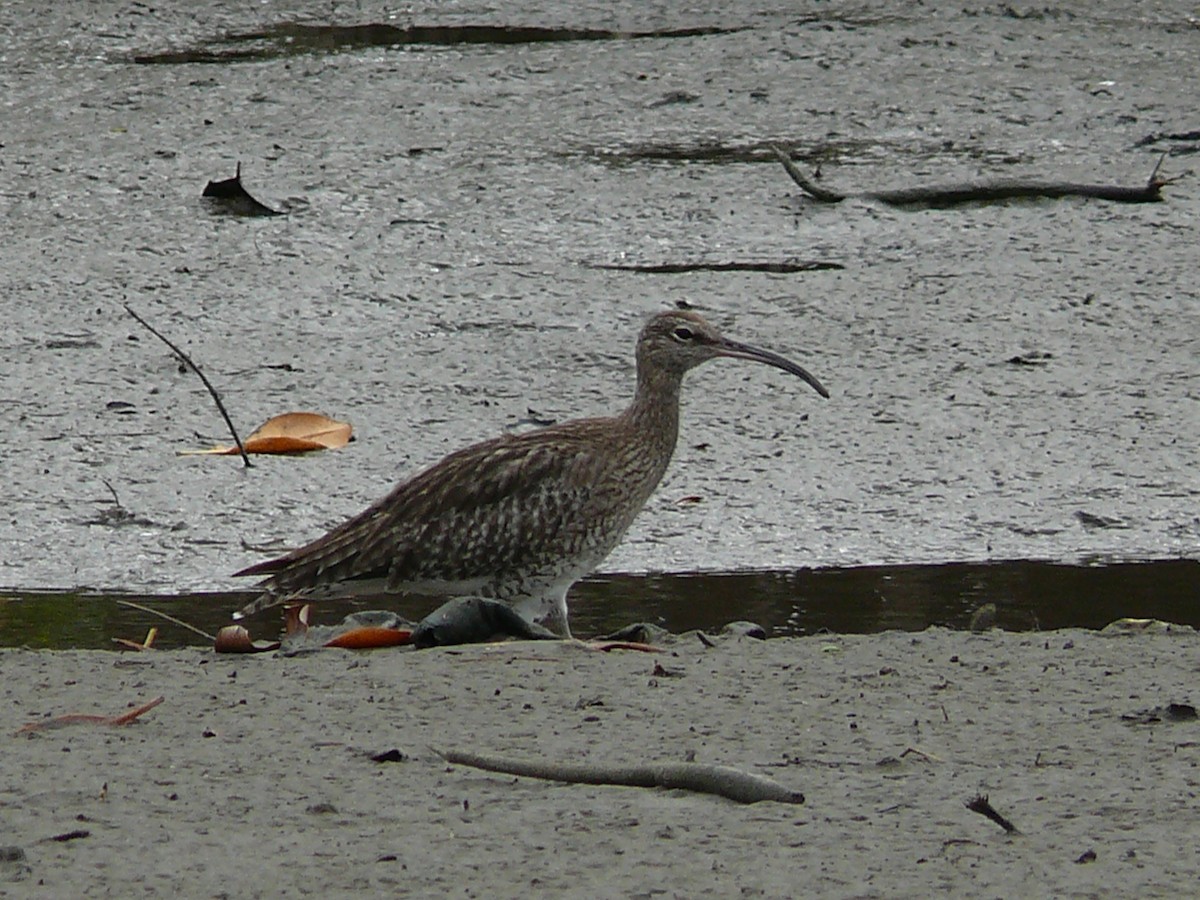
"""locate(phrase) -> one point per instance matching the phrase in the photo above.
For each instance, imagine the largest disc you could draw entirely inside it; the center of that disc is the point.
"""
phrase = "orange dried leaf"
(282, 444)
(313, 427)
(295, 432)
(370, 638)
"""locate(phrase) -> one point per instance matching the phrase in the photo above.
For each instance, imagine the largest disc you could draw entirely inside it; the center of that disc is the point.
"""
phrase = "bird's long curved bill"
(737, 350)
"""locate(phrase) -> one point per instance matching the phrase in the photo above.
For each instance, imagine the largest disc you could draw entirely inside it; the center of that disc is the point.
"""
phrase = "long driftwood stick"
(208, 384)
(984, 192)
(723, 781)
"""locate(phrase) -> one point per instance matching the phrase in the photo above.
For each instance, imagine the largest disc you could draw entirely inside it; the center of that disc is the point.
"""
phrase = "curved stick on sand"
(807, 185)
(724, 781)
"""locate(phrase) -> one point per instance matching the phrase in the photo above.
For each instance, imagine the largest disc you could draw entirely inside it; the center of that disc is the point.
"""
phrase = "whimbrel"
(518, 518)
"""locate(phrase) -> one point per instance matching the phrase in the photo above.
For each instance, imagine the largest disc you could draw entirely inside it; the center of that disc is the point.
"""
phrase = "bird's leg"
(560, 608)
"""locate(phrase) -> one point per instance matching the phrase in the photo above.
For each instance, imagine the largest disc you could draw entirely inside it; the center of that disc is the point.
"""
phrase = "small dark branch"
(208, 384)
(980, 805)
(75, 835)
(113, 491)
(1154, 175)
(724, 781)
(1157, 181)
(916, 751)
(808, 186)
(784, 267)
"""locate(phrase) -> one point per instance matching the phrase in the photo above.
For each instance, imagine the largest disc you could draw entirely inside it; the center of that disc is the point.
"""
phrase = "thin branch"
(113, 491)
(817, 192)
(917, 751)
(783, 267)
(1154, 175)
(169, 618)
(208, 384)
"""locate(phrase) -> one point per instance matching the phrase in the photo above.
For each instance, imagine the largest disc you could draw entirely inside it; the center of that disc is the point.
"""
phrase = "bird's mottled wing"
(475, 514)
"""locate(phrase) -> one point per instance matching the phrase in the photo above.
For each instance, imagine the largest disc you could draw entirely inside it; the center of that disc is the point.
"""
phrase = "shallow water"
(1028, 596)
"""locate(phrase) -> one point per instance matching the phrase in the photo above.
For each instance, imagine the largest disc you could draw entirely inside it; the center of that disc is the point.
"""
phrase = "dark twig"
(817, 192)
(208, 384)
(68, 836)
(916, 751)
(783, 267)
(980, 805)
(113, 491)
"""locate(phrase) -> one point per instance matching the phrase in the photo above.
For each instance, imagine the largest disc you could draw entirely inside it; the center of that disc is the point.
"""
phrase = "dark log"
(985, 192)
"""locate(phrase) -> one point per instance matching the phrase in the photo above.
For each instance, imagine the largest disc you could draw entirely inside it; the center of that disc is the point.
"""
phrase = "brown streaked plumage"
(519, 518)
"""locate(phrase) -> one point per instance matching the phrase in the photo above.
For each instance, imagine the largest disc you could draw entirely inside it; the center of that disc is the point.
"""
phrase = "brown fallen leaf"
(295, 432)
(236, 639)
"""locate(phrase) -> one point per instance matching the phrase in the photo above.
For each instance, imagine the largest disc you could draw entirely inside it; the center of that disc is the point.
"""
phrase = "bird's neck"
(654, 413)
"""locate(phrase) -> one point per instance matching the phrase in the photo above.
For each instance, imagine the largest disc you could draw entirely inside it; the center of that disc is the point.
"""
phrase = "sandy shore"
(254, 777)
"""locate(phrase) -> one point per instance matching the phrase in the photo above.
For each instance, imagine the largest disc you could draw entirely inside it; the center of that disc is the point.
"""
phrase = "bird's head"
(679, 340)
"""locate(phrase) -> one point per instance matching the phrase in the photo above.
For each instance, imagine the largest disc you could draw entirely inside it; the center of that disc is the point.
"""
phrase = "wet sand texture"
(254, 776)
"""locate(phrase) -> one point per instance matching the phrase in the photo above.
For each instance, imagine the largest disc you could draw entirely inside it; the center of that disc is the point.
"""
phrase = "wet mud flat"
(475, 230)
(255, 777)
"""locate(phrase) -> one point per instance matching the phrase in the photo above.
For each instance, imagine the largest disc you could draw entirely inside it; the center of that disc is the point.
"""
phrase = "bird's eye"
(682, 333)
